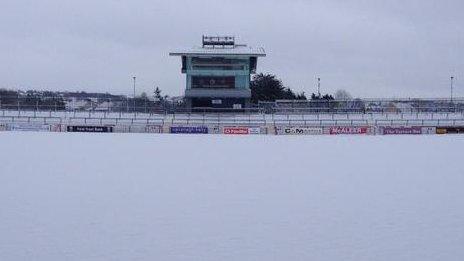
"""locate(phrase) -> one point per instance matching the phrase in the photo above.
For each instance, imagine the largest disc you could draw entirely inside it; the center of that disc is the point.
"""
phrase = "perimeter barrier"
(280, 130)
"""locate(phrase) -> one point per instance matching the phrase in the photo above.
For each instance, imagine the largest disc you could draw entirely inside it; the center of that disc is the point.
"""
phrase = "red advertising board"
(348, 130)
(236, 130)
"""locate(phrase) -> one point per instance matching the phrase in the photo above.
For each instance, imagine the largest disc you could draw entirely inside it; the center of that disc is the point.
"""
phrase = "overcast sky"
(371, 48)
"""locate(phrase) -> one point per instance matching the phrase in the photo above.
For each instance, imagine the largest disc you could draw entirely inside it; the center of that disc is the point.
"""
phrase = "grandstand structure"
(218, 73)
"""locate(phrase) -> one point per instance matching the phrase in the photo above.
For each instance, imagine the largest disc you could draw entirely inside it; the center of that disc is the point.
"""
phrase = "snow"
(67, 196)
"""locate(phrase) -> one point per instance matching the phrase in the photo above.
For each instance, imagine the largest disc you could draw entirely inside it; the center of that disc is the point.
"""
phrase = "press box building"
(219, 73)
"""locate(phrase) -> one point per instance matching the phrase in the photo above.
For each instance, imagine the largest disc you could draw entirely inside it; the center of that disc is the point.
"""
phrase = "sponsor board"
(215, 130)
(154, 129)
(299, 130)
(122, 129)
(441, 131)
(450, 130)
(56, 128)
(254, 130)
(28, 127)
(265, 130)
(402, 130)
(242, 130)
(130, 129)
(137, 128)
(270, 130)
(97, 129)
(429, 130)
(348, 130)
(236, 131)
(189, 130)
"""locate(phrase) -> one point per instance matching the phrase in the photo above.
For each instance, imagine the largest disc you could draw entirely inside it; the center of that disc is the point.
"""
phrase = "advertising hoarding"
(56, 128)
(215, 129)
(122, 128)
(450, 130)
(189, 130)
(96, 129)
(348, 130)
(441, 131)
(299, 130)
(236, 131)
(242, 130)
(402, 130)
(28, 127)
(429, 130)
(153, 129)
(255, 130)
(139, 128)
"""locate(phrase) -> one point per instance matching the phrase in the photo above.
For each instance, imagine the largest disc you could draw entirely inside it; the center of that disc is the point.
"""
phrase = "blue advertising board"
(189, 130)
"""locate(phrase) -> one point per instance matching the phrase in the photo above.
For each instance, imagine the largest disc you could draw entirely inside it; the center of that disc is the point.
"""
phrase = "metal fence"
(144, 105)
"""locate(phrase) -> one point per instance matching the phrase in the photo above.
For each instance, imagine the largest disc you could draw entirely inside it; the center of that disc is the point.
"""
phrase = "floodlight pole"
(319, 86)
(134, 78)
(452, 88)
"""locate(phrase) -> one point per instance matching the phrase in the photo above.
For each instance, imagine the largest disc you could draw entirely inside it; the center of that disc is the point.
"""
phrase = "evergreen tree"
(267, 87)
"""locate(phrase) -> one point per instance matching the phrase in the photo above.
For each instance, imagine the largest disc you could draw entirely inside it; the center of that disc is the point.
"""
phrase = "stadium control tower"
(219, 72)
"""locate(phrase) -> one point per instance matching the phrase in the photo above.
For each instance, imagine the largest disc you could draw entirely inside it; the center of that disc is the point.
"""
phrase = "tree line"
(269, 88)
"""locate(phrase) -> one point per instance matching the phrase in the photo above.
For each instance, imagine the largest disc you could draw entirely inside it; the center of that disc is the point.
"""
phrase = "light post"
(319, 100)
(452, 87)
(134, 78)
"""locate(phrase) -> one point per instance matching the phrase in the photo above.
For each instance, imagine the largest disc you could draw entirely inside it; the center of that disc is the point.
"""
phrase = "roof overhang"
(217, 54)
(236, 51)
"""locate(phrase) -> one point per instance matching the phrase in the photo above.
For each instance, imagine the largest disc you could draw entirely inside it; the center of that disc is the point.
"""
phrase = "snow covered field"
(67, 196)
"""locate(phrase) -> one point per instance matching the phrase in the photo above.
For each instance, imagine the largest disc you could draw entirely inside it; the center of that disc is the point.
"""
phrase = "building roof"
(211, 51)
